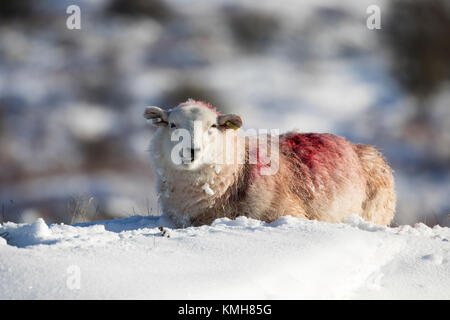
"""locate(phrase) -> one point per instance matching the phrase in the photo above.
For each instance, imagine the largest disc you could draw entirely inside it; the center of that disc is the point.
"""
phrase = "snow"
(231, 259)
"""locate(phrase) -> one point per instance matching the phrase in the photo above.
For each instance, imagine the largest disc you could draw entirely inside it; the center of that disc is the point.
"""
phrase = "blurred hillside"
(72, 138)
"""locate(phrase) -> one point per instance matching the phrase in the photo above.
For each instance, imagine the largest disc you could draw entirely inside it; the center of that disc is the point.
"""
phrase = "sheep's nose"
(193, 152)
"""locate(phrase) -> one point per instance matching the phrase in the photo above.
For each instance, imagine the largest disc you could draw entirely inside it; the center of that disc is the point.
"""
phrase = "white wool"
(208, 189)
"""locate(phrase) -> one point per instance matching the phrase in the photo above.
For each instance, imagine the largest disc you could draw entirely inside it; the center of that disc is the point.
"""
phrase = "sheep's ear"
(159, 116)
(231, 121)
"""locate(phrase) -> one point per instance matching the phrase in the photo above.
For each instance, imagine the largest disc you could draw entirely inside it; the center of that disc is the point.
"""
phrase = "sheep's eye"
(173, 125)
(214, 126)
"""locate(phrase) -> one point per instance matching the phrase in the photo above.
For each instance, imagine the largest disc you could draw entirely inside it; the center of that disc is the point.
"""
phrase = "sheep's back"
(325, 173)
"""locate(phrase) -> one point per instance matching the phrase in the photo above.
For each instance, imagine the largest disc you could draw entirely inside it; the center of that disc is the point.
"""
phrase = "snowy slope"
(289, 258)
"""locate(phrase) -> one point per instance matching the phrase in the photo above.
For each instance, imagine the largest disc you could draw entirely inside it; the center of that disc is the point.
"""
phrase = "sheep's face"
(193, 133)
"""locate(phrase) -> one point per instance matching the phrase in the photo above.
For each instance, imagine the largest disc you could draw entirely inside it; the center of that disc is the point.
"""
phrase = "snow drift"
(231, 259)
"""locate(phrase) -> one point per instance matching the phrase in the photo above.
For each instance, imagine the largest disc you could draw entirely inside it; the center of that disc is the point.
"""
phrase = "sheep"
(320, 177)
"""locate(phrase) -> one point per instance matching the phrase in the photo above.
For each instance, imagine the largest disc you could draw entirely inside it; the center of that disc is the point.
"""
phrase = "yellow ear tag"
(231, 125)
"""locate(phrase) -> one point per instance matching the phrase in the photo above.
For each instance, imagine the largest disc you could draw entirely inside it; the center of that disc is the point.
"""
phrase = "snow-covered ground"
(241, 259)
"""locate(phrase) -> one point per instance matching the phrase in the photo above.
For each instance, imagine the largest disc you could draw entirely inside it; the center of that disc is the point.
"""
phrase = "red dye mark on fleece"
(313, 149)
(259, 163)
(191, 102)
(262, 157)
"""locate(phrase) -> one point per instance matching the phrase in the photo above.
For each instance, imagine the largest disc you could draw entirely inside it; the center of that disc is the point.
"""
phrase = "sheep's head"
(200, 127)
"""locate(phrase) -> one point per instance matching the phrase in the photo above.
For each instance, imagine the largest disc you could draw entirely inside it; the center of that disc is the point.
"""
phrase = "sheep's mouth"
(189, 166)
(188, 161)
(192, 157)
(191, 163)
